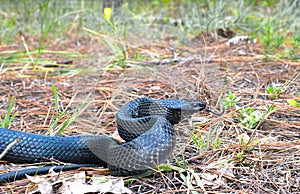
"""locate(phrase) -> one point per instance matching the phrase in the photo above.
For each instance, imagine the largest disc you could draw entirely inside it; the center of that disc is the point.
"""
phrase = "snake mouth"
(214, 112)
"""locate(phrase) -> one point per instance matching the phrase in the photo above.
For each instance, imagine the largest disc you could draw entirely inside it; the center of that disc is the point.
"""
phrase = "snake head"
(178, 108)
(192, 105)
(181, 105)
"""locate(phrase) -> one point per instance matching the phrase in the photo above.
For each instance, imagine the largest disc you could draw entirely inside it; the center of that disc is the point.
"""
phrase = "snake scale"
(145, 124)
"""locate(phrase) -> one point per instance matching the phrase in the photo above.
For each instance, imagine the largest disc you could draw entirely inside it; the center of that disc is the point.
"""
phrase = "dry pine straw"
(272, 164)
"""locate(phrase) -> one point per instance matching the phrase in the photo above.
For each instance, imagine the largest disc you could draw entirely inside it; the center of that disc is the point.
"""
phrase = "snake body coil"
(145, 124)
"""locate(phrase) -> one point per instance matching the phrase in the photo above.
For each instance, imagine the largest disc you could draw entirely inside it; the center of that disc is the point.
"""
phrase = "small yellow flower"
(107, 13)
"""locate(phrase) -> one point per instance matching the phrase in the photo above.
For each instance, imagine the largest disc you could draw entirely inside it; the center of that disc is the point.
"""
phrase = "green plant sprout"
(138, 56)
(231, 100)
(204, 143)
(250, 117)
(182, 162)
(217, 143)
(8, 118)
(273, 91)
(246, 147)
(247, 116)
(200, 142)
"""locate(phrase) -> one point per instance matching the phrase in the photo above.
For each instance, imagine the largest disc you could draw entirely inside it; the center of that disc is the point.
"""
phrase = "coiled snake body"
(145, 124)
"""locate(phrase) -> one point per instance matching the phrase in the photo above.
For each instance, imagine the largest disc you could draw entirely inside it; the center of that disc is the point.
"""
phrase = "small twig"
(180, 60)
(9, 147)
(173, 49)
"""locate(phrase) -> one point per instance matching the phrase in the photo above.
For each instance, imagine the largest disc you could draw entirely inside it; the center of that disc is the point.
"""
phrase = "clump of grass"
(272, 39)
(63, 118)
(248, 145)
(119, 47)
(8, 118)
(23, 61)
(294, 52)
(203, 142)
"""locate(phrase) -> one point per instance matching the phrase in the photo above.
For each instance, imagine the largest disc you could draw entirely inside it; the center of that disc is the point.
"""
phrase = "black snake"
(145, 124)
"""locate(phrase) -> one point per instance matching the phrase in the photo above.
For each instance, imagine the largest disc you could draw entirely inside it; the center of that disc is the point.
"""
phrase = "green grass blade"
(8, 118)
(55, 99)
